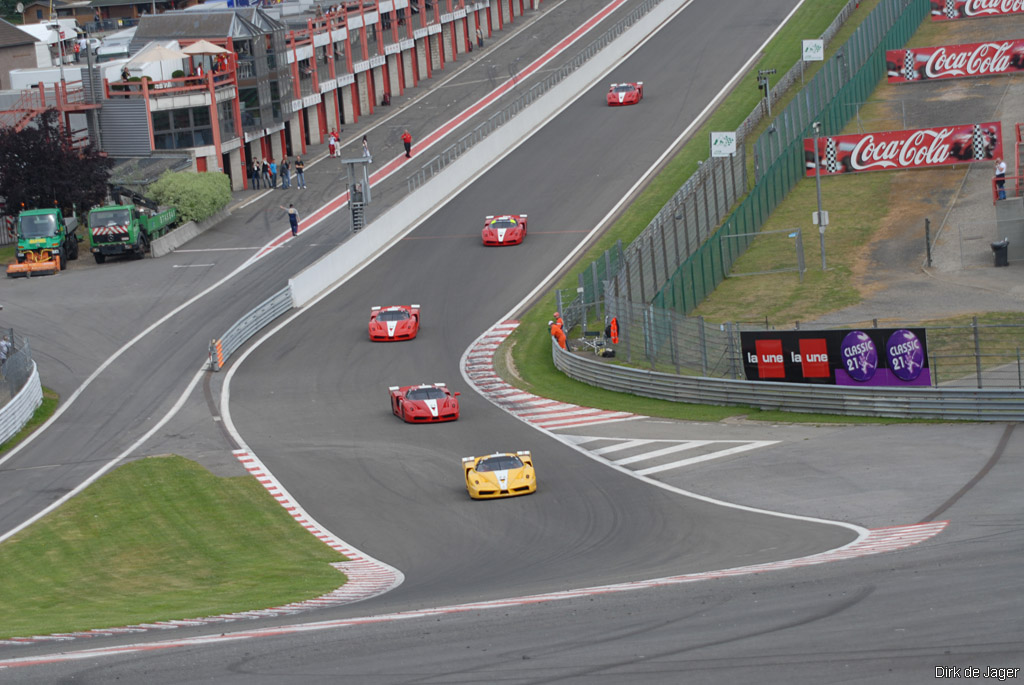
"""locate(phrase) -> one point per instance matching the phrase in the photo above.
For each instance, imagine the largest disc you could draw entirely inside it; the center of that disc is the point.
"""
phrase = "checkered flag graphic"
(979, 143)
(831, 160)
(909, 72)
(951, 9)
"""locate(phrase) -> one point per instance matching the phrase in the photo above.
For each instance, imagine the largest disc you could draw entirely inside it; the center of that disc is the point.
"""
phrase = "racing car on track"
(394, 323)
(625, 93)
(508, 229)
(427, 403)
(502, 474)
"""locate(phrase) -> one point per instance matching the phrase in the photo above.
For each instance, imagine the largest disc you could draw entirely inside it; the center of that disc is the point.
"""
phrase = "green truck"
(46, 242)
(126, 229)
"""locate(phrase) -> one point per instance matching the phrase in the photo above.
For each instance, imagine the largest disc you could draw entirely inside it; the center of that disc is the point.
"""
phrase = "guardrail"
(248, 326)
(904, 403)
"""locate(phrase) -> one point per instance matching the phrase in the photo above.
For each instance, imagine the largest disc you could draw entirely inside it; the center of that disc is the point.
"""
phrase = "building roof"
(11, 35)
(186, 25)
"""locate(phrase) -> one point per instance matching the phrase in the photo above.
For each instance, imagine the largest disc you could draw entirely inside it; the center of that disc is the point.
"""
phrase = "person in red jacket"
(407, 141)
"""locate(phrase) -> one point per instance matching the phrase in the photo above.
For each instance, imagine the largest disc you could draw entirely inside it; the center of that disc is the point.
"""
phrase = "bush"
(196, 196)
(177, 73)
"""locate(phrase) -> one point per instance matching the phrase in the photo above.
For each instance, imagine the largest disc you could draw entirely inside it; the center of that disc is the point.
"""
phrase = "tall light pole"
(820, 216)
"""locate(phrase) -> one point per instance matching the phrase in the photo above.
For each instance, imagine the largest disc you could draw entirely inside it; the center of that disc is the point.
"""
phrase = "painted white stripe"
(707, 457)
(602, 417)
(654, 454)
(628, 444)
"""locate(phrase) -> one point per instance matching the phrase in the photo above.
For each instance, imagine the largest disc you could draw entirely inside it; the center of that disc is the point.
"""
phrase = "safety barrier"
(904, 403)
(16, 413)
(248, 326)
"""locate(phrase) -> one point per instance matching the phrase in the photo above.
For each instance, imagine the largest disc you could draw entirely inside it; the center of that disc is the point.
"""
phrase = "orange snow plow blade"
(36, 264)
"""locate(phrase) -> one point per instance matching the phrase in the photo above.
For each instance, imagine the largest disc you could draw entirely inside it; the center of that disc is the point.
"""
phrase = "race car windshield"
(503, 223)
(502, 463)
(38, 226)
(624, 89)
(394, 315)
(426, 394)
(114, 217)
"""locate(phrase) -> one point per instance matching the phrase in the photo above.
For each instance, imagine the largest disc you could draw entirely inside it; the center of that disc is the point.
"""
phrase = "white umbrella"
(204, 47)
(156, 53)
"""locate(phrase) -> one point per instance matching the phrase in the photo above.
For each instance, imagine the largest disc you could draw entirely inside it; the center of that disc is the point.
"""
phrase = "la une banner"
(870, 357)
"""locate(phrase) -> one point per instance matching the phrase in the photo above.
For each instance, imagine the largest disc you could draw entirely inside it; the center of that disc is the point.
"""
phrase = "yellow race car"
(503, 474)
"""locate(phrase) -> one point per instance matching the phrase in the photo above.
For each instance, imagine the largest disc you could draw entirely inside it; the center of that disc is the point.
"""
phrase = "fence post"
(598, 295)
(664, 253)
(977, 349)
(640, 268)
(703, 335)
(928, 239)
(627, 328)
(729, 349)
(558, 301)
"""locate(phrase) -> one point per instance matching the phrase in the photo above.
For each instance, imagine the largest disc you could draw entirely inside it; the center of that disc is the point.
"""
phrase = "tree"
(196, 196)
(40, 168)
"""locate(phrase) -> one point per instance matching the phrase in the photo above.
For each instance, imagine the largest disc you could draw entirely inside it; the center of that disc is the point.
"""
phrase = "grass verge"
(158, 539)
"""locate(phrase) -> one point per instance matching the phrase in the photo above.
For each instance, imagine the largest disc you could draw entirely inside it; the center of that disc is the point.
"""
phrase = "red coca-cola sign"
(923, 147)
(955, 61)
(945, 10)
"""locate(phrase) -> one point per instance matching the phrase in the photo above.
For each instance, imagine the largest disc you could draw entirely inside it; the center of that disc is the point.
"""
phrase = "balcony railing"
(174, 86)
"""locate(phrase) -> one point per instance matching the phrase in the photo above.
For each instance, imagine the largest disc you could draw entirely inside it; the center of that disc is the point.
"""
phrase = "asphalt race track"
(312, 404)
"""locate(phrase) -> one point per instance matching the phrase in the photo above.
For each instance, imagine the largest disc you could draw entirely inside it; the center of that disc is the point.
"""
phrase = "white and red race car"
(388, 324)
(508, 229)
(625, 93)
(428, 403)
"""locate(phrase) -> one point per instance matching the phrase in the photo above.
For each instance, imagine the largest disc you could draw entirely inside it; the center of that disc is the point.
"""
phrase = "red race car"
(509, 229)
(394, 323)
(430, 403)
(625, 93)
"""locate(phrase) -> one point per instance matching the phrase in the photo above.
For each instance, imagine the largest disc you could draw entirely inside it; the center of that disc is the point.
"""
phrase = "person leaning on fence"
(557, 333)
(1001, 178)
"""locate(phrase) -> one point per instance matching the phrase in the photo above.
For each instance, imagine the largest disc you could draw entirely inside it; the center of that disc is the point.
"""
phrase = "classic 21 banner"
(944, 10)
(923, 147)
(873, 356)
(955, 61)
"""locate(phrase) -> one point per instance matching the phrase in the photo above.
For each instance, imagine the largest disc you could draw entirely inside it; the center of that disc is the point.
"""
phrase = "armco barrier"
(248, 326)
(904, 403)
(19, 410)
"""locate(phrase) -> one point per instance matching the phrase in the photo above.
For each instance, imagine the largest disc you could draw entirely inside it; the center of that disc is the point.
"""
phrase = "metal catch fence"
(16, 369)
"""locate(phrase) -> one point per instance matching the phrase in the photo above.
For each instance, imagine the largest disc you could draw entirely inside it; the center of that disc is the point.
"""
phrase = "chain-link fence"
(973, 354)
(16, 368)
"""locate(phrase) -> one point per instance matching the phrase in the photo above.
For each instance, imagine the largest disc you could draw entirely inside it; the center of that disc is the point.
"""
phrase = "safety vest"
(615, 330)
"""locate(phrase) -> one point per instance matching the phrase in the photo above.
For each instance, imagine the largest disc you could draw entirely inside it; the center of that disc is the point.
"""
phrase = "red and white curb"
(478, 368)
(367, 577)
(874, 541)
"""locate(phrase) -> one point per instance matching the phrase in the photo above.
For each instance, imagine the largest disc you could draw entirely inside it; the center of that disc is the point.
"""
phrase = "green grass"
(158, 539)
(530, 343)
(42, 413)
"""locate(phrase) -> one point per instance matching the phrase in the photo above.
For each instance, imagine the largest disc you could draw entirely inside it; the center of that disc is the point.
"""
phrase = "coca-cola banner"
(922, 147)
(955, 61)
(944, 10)
(869, 357)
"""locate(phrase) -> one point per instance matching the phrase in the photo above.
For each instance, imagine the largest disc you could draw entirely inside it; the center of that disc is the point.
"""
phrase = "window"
(181, 128)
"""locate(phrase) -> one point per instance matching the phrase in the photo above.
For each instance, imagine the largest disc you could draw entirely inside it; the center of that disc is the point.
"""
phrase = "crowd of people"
(268, 172)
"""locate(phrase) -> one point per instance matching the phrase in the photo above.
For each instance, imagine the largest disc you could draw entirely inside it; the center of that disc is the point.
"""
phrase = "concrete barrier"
(184, 233)
(397, 222)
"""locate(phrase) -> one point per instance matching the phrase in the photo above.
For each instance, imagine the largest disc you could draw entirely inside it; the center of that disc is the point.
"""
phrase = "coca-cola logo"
(922, 147)
(974, 8)
(971, 60)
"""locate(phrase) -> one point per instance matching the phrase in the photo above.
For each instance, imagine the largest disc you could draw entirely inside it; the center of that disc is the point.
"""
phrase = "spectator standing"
(366, 147)
(273, 174)
(407, 141)
(300, 177)
(332, 143)
(479, 37)
(286, 180)
(266, 172)
(254, 174)
(293, 217)
(1001, 177)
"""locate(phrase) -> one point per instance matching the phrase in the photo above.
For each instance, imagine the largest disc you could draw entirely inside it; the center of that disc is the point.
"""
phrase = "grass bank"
(158, 539)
